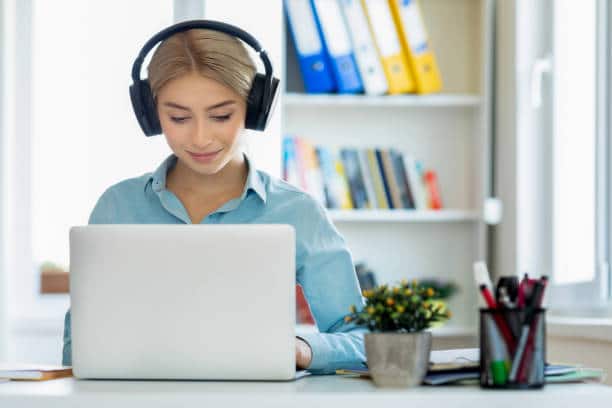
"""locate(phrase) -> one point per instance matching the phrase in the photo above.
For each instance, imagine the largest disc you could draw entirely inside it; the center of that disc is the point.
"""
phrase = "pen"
(501, 323)
(531, 350)
(529, 315)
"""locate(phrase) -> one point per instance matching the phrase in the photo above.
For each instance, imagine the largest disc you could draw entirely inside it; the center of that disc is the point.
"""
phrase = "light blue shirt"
(324, 266)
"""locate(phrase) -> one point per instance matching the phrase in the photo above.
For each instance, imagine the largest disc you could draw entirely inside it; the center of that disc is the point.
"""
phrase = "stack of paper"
(33, 372)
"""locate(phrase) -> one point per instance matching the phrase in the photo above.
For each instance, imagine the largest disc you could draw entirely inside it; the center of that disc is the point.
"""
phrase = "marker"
(498, 351)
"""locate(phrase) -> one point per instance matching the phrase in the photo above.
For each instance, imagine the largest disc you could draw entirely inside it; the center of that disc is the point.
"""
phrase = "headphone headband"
(202, 24)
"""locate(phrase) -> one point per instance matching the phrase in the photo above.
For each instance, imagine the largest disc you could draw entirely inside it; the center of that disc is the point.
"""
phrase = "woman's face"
(203, 121)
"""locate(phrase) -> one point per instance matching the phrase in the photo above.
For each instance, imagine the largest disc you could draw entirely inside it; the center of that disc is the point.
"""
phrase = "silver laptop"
(204, 302)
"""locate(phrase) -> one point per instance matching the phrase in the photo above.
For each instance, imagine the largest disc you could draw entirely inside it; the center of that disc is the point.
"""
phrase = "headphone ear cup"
(150, 109)
(254, 102)
(144, 108)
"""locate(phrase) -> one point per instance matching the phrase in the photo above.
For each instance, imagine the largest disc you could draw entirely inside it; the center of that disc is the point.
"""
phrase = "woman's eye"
(179, 120)
(222, 118)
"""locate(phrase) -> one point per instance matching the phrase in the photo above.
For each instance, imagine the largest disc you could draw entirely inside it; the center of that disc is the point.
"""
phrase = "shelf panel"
(403, 216)
(434, 100)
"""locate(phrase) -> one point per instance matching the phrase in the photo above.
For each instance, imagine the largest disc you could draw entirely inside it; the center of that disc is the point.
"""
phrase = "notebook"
(33, 372)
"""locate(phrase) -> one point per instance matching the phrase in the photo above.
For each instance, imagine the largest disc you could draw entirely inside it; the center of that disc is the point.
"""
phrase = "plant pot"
(398, 359)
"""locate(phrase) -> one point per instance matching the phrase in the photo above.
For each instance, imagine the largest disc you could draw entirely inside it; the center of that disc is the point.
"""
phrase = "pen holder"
(512, 348)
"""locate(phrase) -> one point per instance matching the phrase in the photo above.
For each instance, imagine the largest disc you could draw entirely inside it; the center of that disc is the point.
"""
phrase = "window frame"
(595, 295)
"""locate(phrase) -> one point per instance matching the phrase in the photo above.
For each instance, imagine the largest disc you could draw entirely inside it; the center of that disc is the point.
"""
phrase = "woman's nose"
(201, 136)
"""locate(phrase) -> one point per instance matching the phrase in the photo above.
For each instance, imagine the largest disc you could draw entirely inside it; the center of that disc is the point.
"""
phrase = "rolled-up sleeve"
(327, 275)
(101, 214)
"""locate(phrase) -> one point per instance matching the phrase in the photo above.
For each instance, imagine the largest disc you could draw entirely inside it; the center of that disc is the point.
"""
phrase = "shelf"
(403, 216)
(434, 100)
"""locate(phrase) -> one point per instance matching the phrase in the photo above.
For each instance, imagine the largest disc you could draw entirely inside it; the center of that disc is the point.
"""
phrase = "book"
(335, 185)
(367, 178)
(391, 180)
(416, 182)
(291, 172)
(377, 180)
(33, 372)
(352, 168)
(433, 190)
(385, 181)
(400, 176)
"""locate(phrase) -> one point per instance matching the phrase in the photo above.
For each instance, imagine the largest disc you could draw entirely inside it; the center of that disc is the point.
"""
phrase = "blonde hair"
(210, 53)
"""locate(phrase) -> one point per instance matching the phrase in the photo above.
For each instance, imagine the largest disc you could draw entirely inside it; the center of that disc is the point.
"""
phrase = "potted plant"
(398, 347)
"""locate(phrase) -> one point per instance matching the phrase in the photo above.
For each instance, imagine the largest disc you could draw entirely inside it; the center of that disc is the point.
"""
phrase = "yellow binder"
(413, 37)
(392, 56)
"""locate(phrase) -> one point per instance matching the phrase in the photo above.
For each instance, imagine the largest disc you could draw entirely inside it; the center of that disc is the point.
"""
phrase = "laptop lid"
(212, 302)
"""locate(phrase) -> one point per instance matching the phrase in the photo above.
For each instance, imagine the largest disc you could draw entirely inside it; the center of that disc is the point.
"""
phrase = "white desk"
(328, 391)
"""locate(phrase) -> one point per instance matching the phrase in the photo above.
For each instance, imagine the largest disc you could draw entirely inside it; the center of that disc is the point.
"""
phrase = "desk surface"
(308, 392)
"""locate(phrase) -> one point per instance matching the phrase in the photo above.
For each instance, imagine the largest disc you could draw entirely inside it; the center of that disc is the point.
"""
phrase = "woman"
(200, 80)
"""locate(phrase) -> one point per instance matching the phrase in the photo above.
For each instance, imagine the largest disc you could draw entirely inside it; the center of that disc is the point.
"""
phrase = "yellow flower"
(408, 292)
(347, 319)
(371, 310)
(400, 308)
(390, 301)
(396, 290)
(353, 309)
(404, 282)
(430, 292)
(366, 293)
(414, 282)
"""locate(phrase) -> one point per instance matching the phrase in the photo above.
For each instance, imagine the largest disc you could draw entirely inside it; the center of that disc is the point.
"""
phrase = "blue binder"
(337, 45)
(314, 62)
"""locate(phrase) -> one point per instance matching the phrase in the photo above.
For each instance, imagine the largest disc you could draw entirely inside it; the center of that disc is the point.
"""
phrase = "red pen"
(501, 323)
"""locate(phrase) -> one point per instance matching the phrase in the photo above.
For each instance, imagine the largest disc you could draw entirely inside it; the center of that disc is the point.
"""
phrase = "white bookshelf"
(403, 216)
(399, 101)
(449, 132)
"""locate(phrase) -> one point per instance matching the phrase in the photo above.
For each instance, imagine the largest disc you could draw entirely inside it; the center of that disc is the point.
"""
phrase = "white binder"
(364, 48)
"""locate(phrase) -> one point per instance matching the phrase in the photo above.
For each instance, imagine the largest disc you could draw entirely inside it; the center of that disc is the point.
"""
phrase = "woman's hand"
(303, 354)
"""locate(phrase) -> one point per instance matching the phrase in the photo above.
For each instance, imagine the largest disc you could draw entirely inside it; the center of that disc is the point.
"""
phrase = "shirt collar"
(254, 181)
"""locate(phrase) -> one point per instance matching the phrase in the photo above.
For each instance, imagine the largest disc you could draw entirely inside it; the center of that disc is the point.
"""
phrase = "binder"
(366, 54)
(413, 37)
(393, 58)
(314, 63)
(337, 45)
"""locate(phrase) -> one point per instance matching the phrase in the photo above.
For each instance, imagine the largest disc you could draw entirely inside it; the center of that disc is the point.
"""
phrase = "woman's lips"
(204, 157)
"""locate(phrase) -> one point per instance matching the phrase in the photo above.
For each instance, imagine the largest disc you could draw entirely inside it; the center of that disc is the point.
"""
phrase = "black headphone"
(261, 99)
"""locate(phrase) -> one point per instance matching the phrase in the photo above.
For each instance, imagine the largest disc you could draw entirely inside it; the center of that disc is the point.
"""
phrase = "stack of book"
(351, 178)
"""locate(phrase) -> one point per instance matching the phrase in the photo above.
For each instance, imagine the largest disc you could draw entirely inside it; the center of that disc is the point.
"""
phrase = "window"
(74, 129)
(580, 152)
(574, 140)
